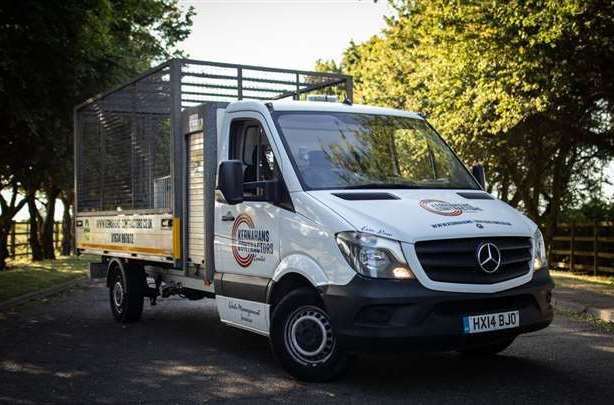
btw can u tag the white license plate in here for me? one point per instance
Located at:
(490, 322)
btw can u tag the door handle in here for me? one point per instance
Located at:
(228, 217)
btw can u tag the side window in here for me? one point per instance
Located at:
(250, 145)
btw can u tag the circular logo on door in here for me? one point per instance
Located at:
(249, 243)
(241, 249)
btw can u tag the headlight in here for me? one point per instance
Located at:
(373, 256)
(540, 260)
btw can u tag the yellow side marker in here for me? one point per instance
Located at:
(176, 237)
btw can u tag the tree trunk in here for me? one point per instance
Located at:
(505, 189)
(8, 209)
(4, 251)
(48, 224)
(40, 223)
(560, 185)
(67, 228)
(34, 240)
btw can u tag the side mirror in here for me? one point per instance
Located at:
(267, 190)
(230, 181)
(272, 191)
(478, 172)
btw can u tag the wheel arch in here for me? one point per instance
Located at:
(113, 264)
(121, 265)
(289, 282)
(293, 272)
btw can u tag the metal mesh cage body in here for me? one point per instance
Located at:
(123, 146)
(125, 139)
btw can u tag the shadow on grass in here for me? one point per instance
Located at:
(24, 276)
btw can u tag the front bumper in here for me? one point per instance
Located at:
(370, 314)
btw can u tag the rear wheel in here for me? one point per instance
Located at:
(126, 292)
(489, 349)
(303, 339)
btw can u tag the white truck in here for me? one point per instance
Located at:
(332, 228)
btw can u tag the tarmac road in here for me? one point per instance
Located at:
(69, 350)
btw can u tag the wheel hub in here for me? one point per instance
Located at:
(309, 336)
(118, 295)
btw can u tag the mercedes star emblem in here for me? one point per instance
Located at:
(489, 257)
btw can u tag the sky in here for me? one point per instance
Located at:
(289, 34)
(285, 34)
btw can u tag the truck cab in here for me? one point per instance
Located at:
(332, 228)
(372, 212)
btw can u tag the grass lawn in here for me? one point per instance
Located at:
(600, 284)
(602, 326)
(24, 276)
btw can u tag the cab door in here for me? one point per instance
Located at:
(247, 234)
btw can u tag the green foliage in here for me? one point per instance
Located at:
(54, 55)
(329, 66)
(525, 86)
(592, 210)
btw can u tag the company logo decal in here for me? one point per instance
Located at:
(249, 243)
(447, 209)
(489, 257)
(478, 223)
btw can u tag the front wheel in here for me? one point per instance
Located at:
(303, 339)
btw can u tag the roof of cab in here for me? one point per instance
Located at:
(320, 106)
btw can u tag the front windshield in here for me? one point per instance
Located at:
(348, 150)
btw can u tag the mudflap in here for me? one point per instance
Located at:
(98, 271)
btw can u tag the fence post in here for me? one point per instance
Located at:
(595, 248)
(12, 243)
(28, 238)
(572, 247)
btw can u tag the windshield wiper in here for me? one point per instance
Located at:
(382, 186)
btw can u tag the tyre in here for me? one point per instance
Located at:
(303, 340)
(489, 349)
(126, 293)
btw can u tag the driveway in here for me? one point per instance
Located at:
(69, 350)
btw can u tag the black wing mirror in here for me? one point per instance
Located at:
(230, 181)
(267, 190)
(478, 172)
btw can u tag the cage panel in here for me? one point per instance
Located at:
(123, 138)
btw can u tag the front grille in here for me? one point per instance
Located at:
(455, 260)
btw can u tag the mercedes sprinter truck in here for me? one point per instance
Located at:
(329, 227)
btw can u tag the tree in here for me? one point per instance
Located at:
(13, 167)
(524, 86)
(53, 55)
